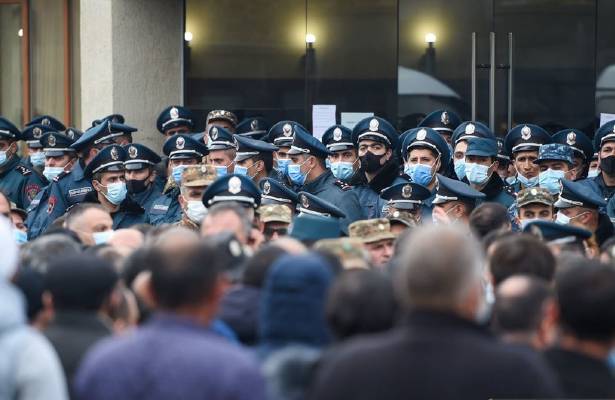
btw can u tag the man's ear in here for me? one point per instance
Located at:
(572, 174)
(388, 154)
(96, 185)
(182, 201)
(260, 165)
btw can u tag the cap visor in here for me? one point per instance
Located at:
(563, 204)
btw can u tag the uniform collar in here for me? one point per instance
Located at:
(317, 183)
(10, 164)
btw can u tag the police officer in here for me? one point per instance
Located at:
(594, 166)
(454, 201)
(222, 148)
(49, 122)
(221, 119)
(254, 128)
(465, 131)
(175, 120)
(377, 239)
(582, 148)
(234, 188)
(481, 165)
(310, 204)
(534, 204)
(115, 118)
(254, 158)
(308, 172)
(281, 135)
(182, 151)
(344, 160)
(141, 183)
(442, 121)
(17, 181)
(522, 143)
(106, 171)
(195, 179)
(604, 143)
(118, 133)
(275, 192)
(505, 169)
(560, 237)
(555, 164)
(406, 198)
(35, 157)
(376, 141)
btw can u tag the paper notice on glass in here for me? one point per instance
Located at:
(323, 117)
(604, 118)
(350, 119)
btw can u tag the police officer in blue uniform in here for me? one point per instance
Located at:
(281, 135)
(563, 237)
(107, 174)
(604, 143)
(35, 157)
(582, 147)
(522, 144)
(175, 120)
(117, 132)
(466, 130)
(344, 160)
(442, 121)
(275, 192)
(181, 150)
(308, 172)
(115, 118)
(233, 188)
(407, 197)
(254, 158)
(481, 167)
(17, 181)
(49, 122)
(454, 201)
(254, 128)
(222, 148)
(376, 141)
(312, 205)
(143, 187)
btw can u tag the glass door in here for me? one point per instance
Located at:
(13, 39)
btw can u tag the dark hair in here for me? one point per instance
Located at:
(586, 295)
(32, 284)
(78, 210)
(521, 311)
(521, 254)
(267, 159)
(78, 282)
(257, 267)
(488, 217)
(186, 277)
(360, 301)
(495, 236)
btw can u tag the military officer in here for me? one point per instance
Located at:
(604, 143)
(254, 128)
(175, 120)
(182, 151)
(308, 172)
(481, 165)
(274, 220)
(555, 164)
(20, 183)
(465, 131)
(222, 148)
(281, 135)
(235, 188)
(376, 142)
(534, 204)
(582, 148)
(107, 174)
(254, 158)
(275, 192)
(406, 198)
(221, 119)
(454, 201)
(195, 179)
(377, 238)
(344, 160)
(442, 121)
(141, 183)
(35, 157)
(522, 144)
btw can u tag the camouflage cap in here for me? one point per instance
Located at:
(555, 152)
(349, 251)
(402, 216)
(274, 213)
(535, 195)
(371, 230)
(198, 175)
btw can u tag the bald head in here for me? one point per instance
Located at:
(130, 239)
(175, 238)
(290, 245)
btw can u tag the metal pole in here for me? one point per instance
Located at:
(510, 80)
(473, 76)
(492, 81)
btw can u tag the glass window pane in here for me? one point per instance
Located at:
(11, 78)
(605, 59)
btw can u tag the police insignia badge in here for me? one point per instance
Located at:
(114, 154)
(51, 141)
(287, 130)
(213, 133)
(234, 185)
(180, 142)
(571, 138)
(534, 192)
(254, 125)
(421, 135)
(70, 134)
(337, 134)
(37, 132)
(46, 122)
(406, 191)
(174, 113)
(132, 152)
(305, 202)
(526, 132)
(374, 125)
(470, 129)
(266, 187)
(444, 118)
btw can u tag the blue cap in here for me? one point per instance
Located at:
(139, 157)
(310, 204)
(232, 187)
(8, 130)
(482, 147)
(174, 116)
(314, 227)
(552, 232)
(220, 139)
(606, 133)
(338, 138)
(426, 138)
(502, 155)
(453, 190)
(274, 192)
(56, 144)
(32, 134)
(577, 140)
(48, 121)
(281, 134)
(443, 121)
(111, 158)
(73, 133)
(578, 194)
(184, 146)
(254, 127)
(376, 129)
(304, 143)
(470, 129)
(526, 137)
(554, 152)
(406, 196)
(247, 148)
(115, 118)
(102, 133)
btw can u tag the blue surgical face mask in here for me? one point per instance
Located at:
(562, 218)
(283, 164)
(419, 173)
(593, 173)
(550, 180)
(21, 237)
(342, 170)
(116, 192)
(511, 180)
(295, 175)
(527, 182)
(102, 237)
(177, 173)
(222, 170)
(2, 157)
(477, 174)
(240, 170)
(52, 172)
(38, 159)
(460, 168)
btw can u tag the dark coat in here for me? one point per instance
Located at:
(369, 192)
(239, 310)
(434, 356)
(496, 192)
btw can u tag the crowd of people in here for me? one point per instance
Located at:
(251, 261)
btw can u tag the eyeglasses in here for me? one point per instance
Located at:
(269, 232)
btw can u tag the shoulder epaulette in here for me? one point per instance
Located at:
(342, 185)
(22, 169)
(60, 176)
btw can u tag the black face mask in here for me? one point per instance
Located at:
(370, 162)
(607, 164)
(136, 186)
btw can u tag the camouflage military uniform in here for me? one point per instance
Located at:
(371, 230)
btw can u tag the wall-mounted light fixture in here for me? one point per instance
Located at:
(20, 32)
(188, 36)
(430, 38)
(310, 39)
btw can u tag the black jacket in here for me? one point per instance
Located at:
(434, 356)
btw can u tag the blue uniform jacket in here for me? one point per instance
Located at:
(369, 192)
(20, 183)
(165, 209)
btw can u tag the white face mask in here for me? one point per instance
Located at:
(102, 237)
(527, 221)
(196, 211)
